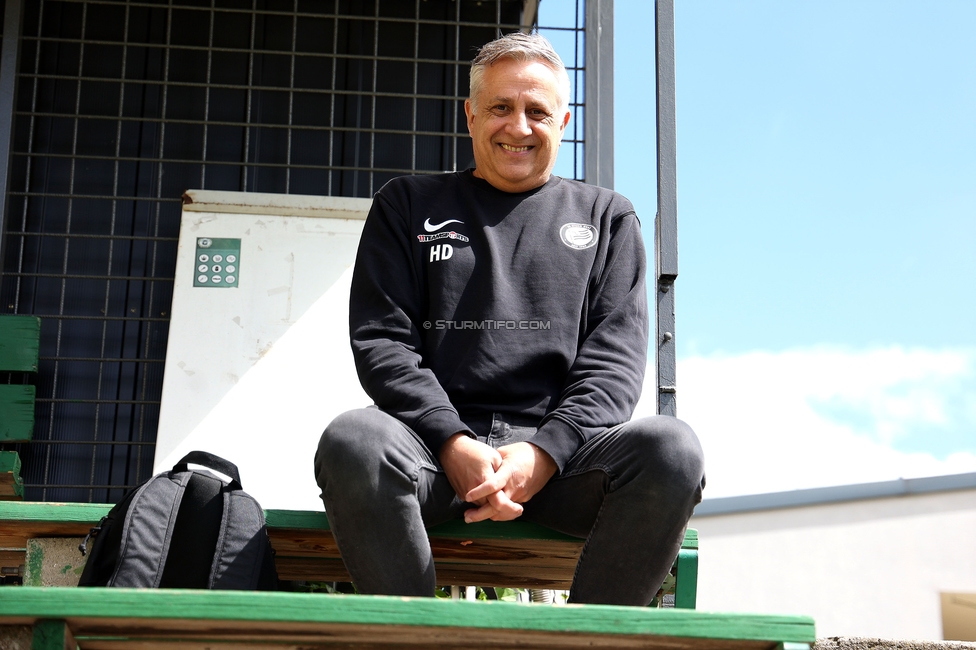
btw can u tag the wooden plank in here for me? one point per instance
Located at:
(20, 338)
(252, 637)
(313, 555)
(521, 530)
(443, 641)
(17, 412)
(303, 543)
(183, 613)
(310, 520)
(505, 576)
(306, 519)
(11, 484)
(324, 569)
(508, 551)
(493, 553)
(498, 530)
(23, 520)
(539, 563)
(10, 557)
(333, 570)
(686, 588)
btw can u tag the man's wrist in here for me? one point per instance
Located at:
(450, 444)
(544, 460)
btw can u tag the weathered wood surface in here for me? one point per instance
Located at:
(313, 555)
(24, 520)
(127, 618)
(10, 559)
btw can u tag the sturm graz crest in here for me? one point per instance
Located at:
(578, 235)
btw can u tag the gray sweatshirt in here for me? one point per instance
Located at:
(468, 301)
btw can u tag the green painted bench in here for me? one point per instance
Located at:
(105, 619)
(510, 554)
(20, 338)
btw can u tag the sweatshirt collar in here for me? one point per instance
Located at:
(468, 175)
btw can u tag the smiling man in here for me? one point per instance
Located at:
(517, 114)
(498, 319)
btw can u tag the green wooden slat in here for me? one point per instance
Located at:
(11, 484)
(296, 519)
(20, 338)
(9, 462)
(17, 412)
(201, 605)
(51, 635)
(87, 513)
(478, 530)
(498, 530)
(686, 587)
(302, 519)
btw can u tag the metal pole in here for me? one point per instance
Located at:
(666, 222)
(13, 12)
(598, 111)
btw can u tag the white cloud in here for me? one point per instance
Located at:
(828, 416)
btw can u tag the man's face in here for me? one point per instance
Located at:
(516, 124)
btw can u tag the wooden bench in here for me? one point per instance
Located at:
(514, 553)
(104, 619)
(509, 554)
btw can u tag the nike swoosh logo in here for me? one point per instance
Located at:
(431, 227)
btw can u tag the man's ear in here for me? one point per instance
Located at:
(469, 112)
(565, 122)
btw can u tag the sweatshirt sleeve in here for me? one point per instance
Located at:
(606, 378)
(386, 306)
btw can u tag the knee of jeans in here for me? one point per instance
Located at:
(350, 442)
(675, 450)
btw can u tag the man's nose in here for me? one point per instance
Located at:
(518, 124)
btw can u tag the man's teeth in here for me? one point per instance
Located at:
(507, 147)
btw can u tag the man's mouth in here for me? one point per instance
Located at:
(508, 147)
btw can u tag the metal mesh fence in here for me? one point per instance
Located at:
(121, 106)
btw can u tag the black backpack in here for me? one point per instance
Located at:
(184, 528)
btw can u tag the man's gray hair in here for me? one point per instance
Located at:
(520, 47)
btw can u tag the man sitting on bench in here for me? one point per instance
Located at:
(499, 322)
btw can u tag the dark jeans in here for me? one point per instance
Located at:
(629, 493)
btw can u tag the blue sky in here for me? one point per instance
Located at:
(827, 231)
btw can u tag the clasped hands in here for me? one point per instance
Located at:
(498, 481)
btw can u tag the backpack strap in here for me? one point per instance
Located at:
(148, 530)
(213, 462)
(243, 547)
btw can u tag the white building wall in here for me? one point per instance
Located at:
(869, 568)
